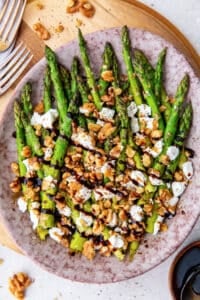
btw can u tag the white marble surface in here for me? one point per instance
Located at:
(150, 286)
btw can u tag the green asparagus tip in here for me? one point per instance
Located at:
(162, 54)
(17, 109)
(27, 89)
(49, 53)
(80, 37)
(125, 35)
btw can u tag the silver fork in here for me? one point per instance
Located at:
(13, 66)
(10, 18)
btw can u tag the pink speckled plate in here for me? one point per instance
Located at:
(154, 249)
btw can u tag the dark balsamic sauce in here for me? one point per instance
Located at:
(188, 261)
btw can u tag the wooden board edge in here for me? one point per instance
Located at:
(195, 60)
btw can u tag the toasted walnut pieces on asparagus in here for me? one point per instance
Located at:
(102, 160)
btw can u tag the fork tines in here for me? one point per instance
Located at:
(10, 18)
(12, 67)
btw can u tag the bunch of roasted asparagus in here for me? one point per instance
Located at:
(102, 161)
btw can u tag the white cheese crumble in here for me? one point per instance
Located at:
(65, 211)
(100, 122)
(157, 224)
(48, 153)
(49, 182)
(135, 125)
(28, 166)
(132, 109)
(107, 114)
(173, 201)
(82, 138)
(187, 168)
(136, 213)
(172, 152)
(113, 221)
(101, 193)
(116, 241)
(178, 188)
(156, 150)
(144, 110)
(139, 177)
(155, 181)
(34, 219)
(84, 193)
(129, 185)
(84, 220)
(46, 120)
(22, 204)
(84, 110)
(56, 234)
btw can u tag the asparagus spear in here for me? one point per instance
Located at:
(47, 90)
(107, 65)
(149, 70)
(74, 75)
(126, 50)
(20, 138)
(83, 90)
(57, 83)
(158, 78)
(32, 138)
(148, 93)
(66, 80)
(121, 110)
(184, 126)
(90, 77)
(170, 134)
(172, 123)
(26, 99)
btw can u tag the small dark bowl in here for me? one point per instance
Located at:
(186, 259)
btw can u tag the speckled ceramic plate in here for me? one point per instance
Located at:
(154, 249)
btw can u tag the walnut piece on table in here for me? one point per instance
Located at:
(84, 7)
(18, 284)
(41, 31)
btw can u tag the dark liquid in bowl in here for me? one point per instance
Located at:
(189, 260)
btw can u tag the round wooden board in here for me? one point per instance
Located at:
(109, 13)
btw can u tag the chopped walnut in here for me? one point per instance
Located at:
(26, 152)
(107, 76)
(94, 127)
(106, 131)
(156, 134)
(130, 152)
(87, 9)
(39, 108)
(179, 176)
(97, 227)
(88, 250)
(72, 6)
(164, 159)
(15, 186)
(162, 108)
(41, 31)
(115, 151)
(163, 227)
(146, 160)
(15, 168)
(18, 284)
